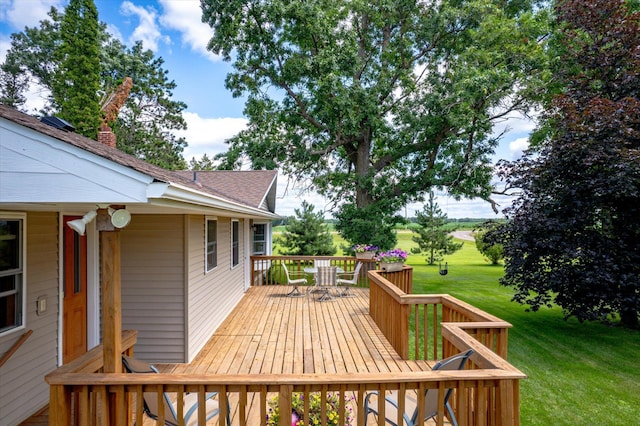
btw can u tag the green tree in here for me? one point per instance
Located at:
(146, 124)
(13, 83)
(205, 163)
(494, 251)
(375, 103)
(306, 234)
(573, 235)
(433, 236)
(77, 80)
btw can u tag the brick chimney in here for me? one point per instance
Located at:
(106, 136)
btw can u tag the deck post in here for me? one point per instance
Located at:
(284, 404)
(111, 301)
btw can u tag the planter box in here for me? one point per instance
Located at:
(365, 255)
(391, 266)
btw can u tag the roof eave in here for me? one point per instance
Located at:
(181, 194)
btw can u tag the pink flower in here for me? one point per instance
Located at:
(294, 418)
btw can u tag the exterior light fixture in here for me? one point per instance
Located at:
(80, 225)
(119, 218)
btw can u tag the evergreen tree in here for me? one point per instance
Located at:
(204, 163)
(77, 81)
(306, 234)
(13, 83)
(432, 236)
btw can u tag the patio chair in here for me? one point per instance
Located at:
(326, 281)
(294, 282)
(190, 408)
(348, 283)
(317, 263)
(455, 362)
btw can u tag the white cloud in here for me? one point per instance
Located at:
(186, 17)
(517, 147)
(207, 135)
(21, 13)
(115, 32)
(147, 30)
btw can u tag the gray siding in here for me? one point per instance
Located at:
(153, 277)
(23, 390)
(211, 295)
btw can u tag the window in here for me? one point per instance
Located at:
(11, 272)
(212, 244)
(235, 243)
(259, 239)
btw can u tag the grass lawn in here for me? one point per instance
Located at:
(578, 374)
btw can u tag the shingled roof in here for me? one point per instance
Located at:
(250, 188)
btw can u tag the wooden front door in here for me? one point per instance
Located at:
(74, 310)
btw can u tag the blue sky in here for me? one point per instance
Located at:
(173, 30)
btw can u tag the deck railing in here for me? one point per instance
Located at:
(437, 326)
(486, 392)
(69, 405)
(267, 270)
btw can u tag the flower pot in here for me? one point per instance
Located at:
(391, 266)
(365, 255)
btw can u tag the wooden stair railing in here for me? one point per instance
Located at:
(15, 347)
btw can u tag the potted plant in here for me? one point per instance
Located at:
(315, 408)
(365, 251)
(392, 260)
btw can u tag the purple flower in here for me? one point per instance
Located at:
(394, 255)
(295, 418)
(361, 248)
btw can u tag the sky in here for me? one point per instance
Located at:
(173, 30)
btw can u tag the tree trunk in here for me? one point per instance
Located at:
(363, 160)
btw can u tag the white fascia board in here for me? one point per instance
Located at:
(181, 194)
(266, 194)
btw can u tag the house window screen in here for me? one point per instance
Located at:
(235, 243)
(212, 244)
(11, 274)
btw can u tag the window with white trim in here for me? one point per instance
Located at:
(12, 282)
(212, 244)
(235, 243)
(259, 238)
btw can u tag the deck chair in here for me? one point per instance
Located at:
(347, 283)
(190, 410)
(294, 282)
(326, 281)
(317, 263)
(455, 362)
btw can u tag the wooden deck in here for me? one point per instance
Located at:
(272, 346)
(269, 333)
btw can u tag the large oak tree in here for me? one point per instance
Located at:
(573, 236)
(375, 103)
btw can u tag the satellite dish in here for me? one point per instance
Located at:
(120, 218)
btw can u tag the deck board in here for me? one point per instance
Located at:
(269, 333)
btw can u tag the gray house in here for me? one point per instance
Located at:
(185, 243)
